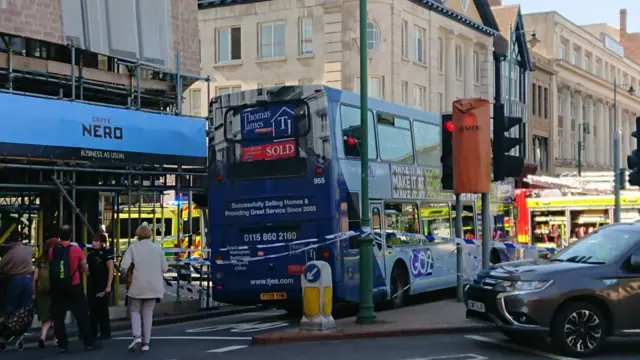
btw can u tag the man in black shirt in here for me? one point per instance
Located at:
(100, 260)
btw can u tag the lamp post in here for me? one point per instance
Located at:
(616, 149)
(366, 313)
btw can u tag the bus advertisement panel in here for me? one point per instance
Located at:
(285, 190)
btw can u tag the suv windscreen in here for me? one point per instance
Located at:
(600, 247)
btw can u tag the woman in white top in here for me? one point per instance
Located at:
(147, 284)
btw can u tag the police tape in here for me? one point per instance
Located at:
(329, 239)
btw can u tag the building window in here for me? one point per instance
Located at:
(575, 57)
(404, 90)
(228, 44)
(533, 99)
(196, 102)
(306, 35)
(458, 62)
(573, 108)
(272, 40)
(562, 52)
(394, 137)
(405, 38)
(541, 152)
(546, 103)
(375, 86)
(418, 44)
(418, 96)
(560, 104)
(559, 145)
(373, 36)
(574, 146)
(350, 118)
(476, 68)
(223, 90)
(598, 70)
(440, 54)
(539, 101)
(306, 81)
(440, 101)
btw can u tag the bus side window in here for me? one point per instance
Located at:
(353, 210)
(375, 225)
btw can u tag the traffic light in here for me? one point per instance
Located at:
(505, 165)
(633, 160)
(446, 141)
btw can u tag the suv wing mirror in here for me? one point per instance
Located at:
(635, 260)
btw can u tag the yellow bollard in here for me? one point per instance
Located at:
(317, 297)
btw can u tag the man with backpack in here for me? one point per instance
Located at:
(67, 263)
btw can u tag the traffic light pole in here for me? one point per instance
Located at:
(616, 155)
(486, 230)
(366, 314)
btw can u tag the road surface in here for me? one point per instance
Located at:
(230, 337)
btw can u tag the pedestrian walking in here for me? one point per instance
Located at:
(144, 263)
(16, 267)
(67, 263)
(42, 290)
(100, 260)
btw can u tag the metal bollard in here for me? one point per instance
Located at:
(317, 297)
(459, 269)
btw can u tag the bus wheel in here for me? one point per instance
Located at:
(399, 286)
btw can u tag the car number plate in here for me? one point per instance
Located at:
(475, 306)
(273, 296)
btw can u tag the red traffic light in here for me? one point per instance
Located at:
(351, 141)
(449, 126)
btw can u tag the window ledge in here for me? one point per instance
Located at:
(228, 63)
(269, 60)
(419, 63)
(306, 56)
(404, 58)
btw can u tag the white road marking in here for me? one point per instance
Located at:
(519, 348)
(190, 338)
(452, 357)
(228, 348)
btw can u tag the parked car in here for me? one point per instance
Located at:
(577, 297)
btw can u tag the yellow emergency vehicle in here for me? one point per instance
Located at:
(169, 221)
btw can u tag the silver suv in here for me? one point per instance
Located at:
(578, 297)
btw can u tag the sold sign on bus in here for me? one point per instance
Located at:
(268, 123)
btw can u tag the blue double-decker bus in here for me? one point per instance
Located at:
(285, 190)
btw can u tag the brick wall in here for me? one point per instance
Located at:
(42, 19)
(39, 19)
(631, 43)
(186, 34)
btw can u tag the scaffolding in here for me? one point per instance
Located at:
(37, 196)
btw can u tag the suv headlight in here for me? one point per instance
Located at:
(521, 286)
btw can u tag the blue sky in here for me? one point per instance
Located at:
(584, 12)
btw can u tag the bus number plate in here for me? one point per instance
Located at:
(273, 296)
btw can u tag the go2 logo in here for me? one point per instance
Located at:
(421, 262)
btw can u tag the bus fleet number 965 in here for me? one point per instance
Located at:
(279, 236)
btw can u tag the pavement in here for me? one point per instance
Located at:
(445, 316)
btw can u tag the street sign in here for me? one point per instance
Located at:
(312, 273)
